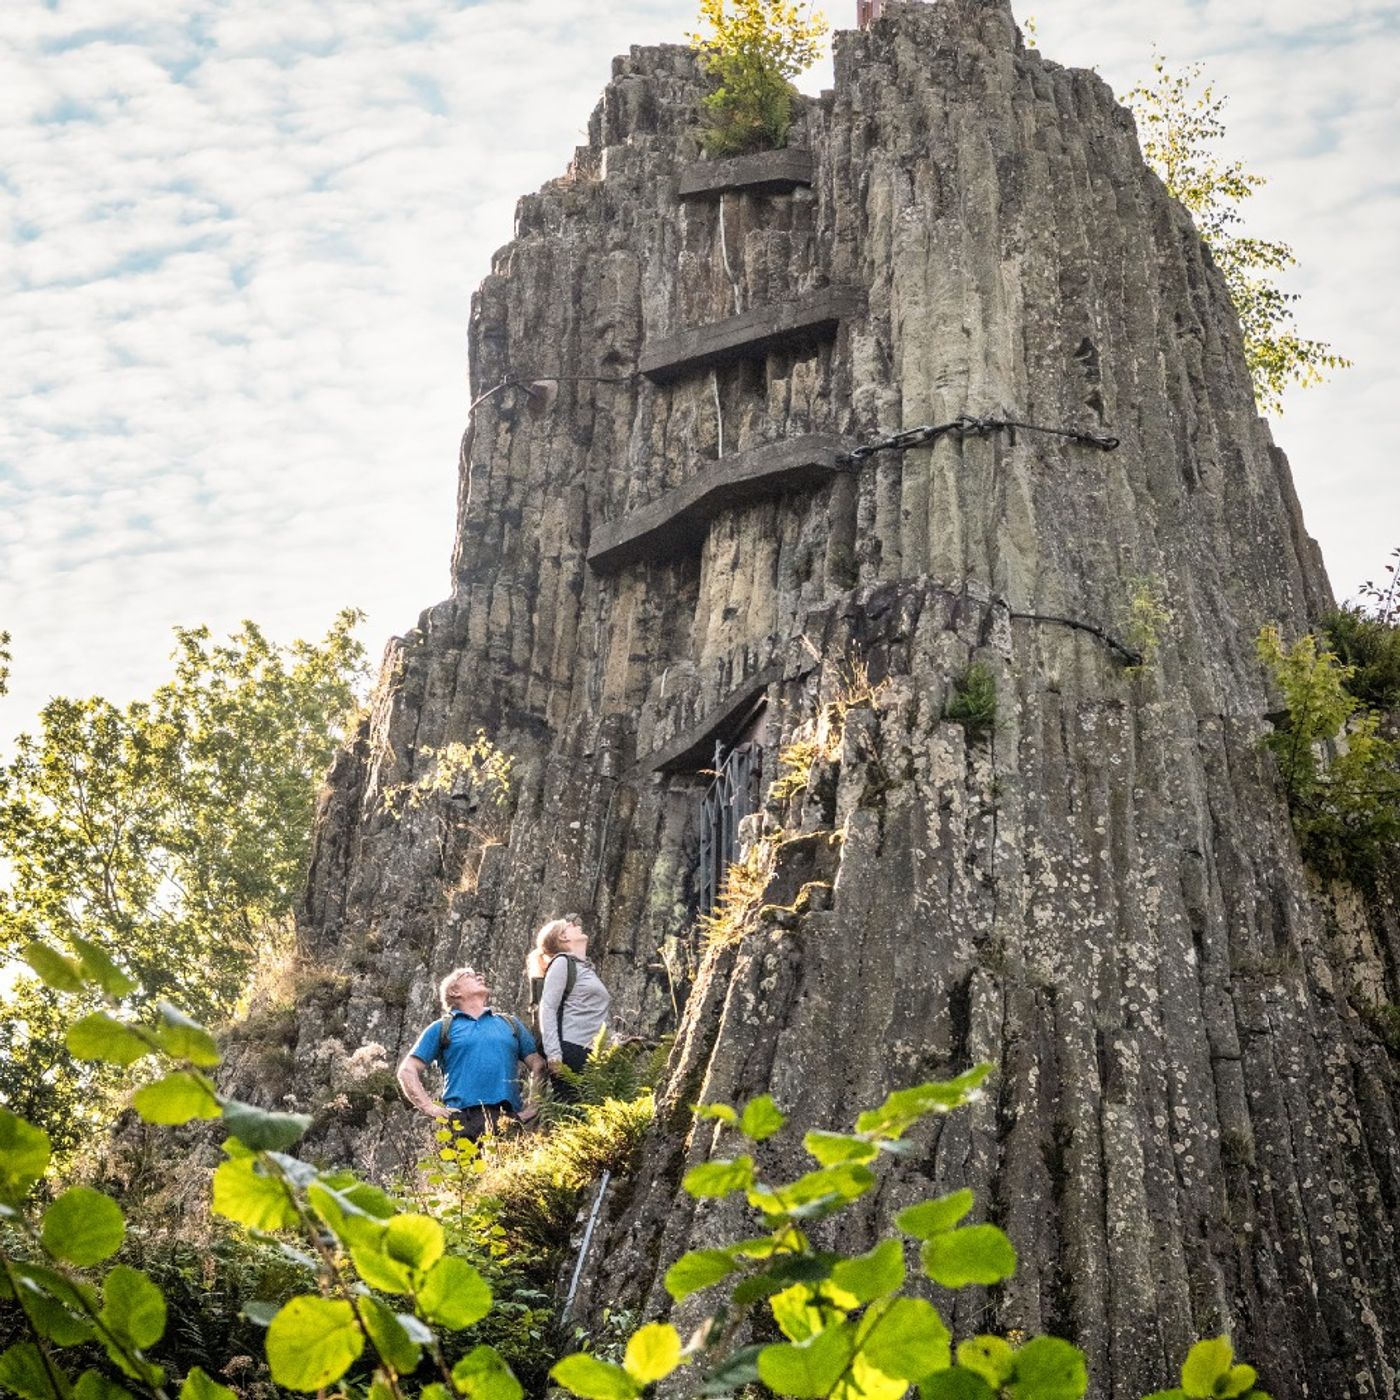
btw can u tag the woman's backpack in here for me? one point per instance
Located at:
(537, 994)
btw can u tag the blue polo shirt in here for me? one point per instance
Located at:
(481, 1061)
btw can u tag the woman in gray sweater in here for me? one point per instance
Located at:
(573, 1002)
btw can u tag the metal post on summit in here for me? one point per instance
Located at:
(868, 11)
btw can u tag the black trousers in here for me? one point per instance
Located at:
(482, 1118)
(575, 1057)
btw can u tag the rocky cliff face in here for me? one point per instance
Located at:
(1192, 1128)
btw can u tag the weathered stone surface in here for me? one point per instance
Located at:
(1193, 1126)
(750, 334)
(677, 521)
(763, 172)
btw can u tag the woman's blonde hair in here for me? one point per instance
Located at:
(547, 944)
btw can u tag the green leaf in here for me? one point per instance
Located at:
(381, 1389)
(54, 970)
(24, 1156)
(98, 1036)
(701, 1268)
(378, 1270)
(261, 1129)
(930, 1218)
(482, 1374)
(54, 1321)
(799, 1315)
(740, 1370)
(1049, 1369)
(816, 1194)
(975, 1254)
(395, 1347)
(908, 1341)
(99, 968)
(184, 1039)
(258, 1313)
(415, 1240)
(810, 1369)
(93, 1385)
(593, 1379)
(312, 1342)
(198, 1386)
(1238, 1381)
(722, 1111)
(868, 1276)
(990, 1357)
(905, 1107)
(761, 1118)
(955, 1384)
(132, 1307)
(83, 1227)
(1206, 1363)
(831, 1149)
(180, 1096)
(653, 1352)
(244, 1194)
(454, 1295)
(22, 1370)
(435, 1391)
(720, 1177)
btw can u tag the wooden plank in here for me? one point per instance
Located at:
(764, 172)
(677, 521)
(816, 316)
(694, 748)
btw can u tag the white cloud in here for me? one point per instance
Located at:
(238, 244)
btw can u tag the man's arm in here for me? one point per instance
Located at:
(411, 1082)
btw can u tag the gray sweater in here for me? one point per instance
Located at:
(585, 1010)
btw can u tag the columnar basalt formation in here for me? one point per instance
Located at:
(1192, 1128)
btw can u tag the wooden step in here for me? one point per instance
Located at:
(677, 521)
(815, 316)
(764, 172)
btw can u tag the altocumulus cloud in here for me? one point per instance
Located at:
(240, 238)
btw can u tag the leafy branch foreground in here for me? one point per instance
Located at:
(389, 1289)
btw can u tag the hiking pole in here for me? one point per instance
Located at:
(583, 1248)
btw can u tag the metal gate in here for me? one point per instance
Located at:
(732, 796)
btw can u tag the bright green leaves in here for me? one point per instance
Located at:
(720, 1177)
(184, 1039)
(132, 1319)
(905, 1107)
(808, 1369)
(653, 1352)
(55, 970)
(761, 1118)
(24, 1157)
(1047, 1368)
(453, 1294)
(701, 1268)
(413, 1240)
(974, 1254)
(198, 1386)
(831, 1149)
(101, 1037)
(83, 1227)
(312, 1342)
(930, 1218)
(23, 1371)
(262, 1129)
(992, 1358)
(857, 1281)
(593, 1379)
(398, 1351)
(177, 1098)
(955, 1384)
(482, 1374)
(908, 1341)
(247, 1194)
(1209, 1371)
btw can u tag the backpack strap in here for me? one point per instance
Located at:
(444, 1035)
(570, 977)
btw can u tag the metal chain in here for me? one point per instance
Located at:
(965, 426)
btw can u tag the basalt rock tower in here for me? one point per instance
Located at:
(668, 564)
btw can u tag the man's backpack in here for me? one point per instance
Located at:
(537, 994)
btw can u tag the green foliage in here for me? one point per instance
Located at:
(751, 49)
(170, 836)
(1369, 646)
(1180, 128)
(1341, 773)
(1148, 618)
(973, 703)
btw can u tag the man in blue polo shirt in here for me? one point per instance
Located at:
(480, 1051)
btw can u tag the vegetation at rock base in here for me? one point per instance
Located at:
(171, 833)
(1148, 618)
(395, 1300)
(751, 49)
(1180, 128)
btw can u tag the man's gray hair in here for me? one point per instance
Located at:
(445, 985)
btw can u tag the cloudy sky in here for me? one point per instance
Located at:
(240, 238)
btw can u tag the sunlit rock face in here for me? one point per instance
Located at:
(1191, 1128)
